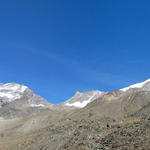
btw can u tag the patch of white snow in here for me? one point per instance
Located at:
(82, 104)
(138, 85)
(11, 91)
(37, 105)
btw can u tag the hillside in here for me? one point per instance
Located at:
(109, 120)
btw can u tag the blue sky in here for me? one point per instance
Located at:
(58, 47)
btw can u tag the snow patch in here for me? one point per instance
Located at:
(79, 104)
(138, 85)
(37, 105)
(11, 91)
(13, 87)
(84, 103)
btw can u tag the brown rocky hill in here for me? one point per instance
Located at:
(111, 120)
(116, 104)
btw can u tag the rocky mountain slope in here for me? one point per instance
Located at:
(91, 120)
(117, 104)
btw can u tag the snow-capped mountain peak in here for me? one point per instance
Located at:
(80, 100)
(138, 85)
(11, 91)
(17, 95)
(18, 100)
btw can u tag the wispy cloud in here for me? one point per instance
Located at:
(82, 71)
(85, 72)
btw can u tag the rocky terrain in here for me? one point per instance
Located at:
(93, 120)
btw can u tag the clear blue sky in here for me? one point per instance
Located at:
(58, 47)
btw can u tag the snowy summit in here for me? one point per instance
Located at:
(138, 85)
(11, 91)
(80, 100)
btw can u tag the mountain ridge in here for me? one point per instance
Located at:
(91, 127)
(12, 91)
